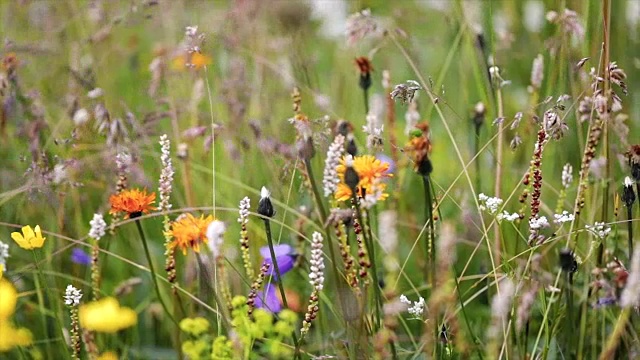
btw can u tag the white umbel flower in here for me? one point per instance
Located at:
(538, 223)
(490, 204)
(564, 217)
(72, 296)
(415, 308)
(599, 229)
(98, 227)
(316, 273)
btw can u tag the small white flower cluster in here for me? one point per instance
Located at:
(599, 229)
(166, 175)
(215, 235)
(316, 275)
(98, 227)
(72, 296)
(416, 308)
(4, 254)
(330, 178)
(490, 204)
(374, 134)
(563, 218)
(508, 217)
(567, 175)
(538, 223)
(245, 205)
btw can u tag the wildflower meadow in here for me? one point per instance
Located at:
(319, 179)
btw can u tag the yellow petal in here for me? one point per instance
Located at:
(9, 297)
(28, 232)
(20, 240)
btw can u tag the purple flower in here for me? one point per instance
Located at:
(79, 256)
(268, 299)
(285, 257)
(386, 159)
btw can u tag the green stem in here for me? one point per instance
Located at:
(630, 229)
(368, 240)
(464, 314)
(366, 101)
(476, 151)
(220, 308)
(327, 234)
(153, 271)
(430, 244)
(40, 279)
(274, 260)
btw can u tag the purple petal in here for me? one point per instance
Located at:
(279, 250)
(79, 256)
(285, 264)
(386, 159)
(268, 299)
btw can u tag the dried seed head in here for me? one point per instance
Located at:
(628, 194)
(265, 208)
(568, 262)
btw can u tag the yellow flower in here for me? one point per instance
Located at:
(8, 299)
(29, 239)
(371, 172)
(133, 202)
(106, 315)
(10, 336)
(189, 231)
(109, 355)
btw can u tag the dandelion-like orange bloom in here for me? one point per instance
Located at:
(371, 171)
(133, 202)
(189, 231)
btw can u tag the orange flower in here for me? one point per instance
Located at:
(371, 171)
(133, 202)
(195, 60)
(189, 231)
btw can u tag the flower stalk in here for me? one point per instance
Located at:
(153, 271)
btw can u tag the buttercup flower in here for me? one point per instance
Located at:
(30, 238)
(285, 256)
(9, 297)
(133, 202)
(10, 336)
(106, 315)
(371, 172)
(189, 231)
